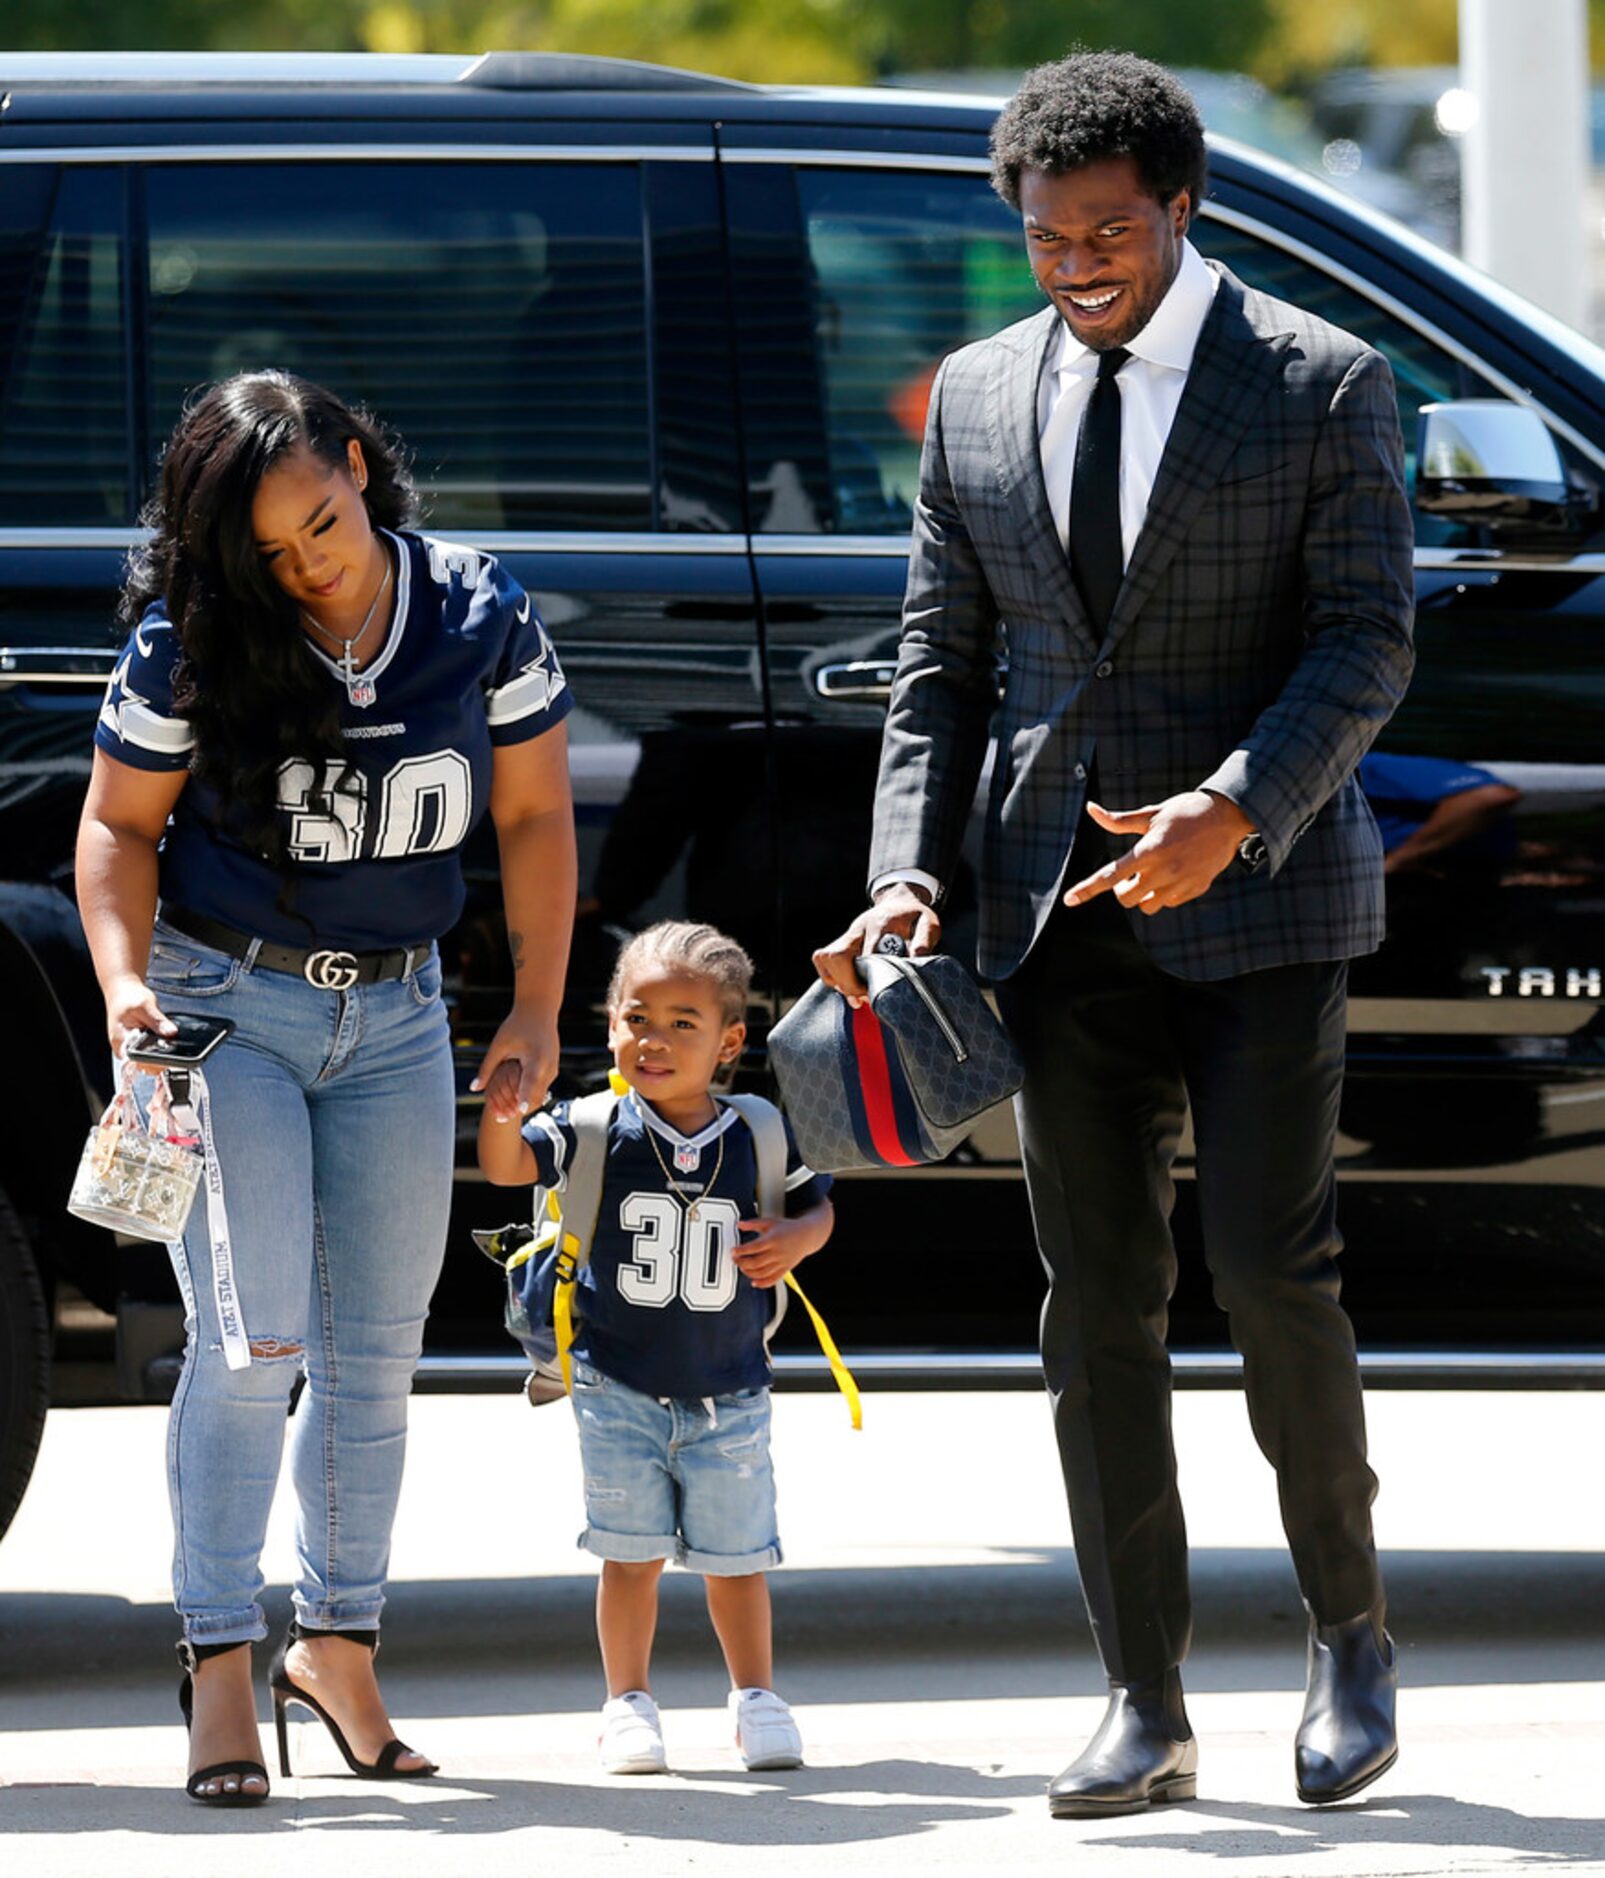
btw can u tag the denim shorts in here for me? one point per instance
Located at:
(687, 1480)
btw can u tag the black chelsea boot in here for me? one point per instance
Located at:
(1348, 1735)
(1143, 1755)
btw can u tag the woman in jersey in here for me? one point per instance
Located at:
(315, 707)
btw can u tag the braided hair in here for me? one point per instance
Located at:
(698, 950)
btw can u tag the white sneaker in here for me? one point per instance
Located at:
(765, 1731)
(631, 1741)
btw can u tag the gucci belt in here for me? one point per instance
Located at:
(325, 968)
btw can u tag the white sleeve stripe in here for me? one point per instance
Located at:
(529, 692)
(554, 1134)
(799, 1177)
(151, 731)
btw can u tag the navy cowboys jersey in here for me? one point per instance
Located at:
(467, 666)
(663, 1307)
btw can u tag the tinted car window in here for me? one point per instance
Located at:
(494, 313)
(906, 268)
(64, 440)
(1423, 372)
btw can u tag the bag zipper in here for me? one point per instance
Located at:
(910, 973)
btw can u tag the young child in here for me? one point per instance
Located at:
(670, 1367)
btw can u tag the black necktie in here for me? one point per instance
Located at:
(1097, 556)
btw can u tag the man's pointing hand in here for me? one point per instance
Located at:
(1183, 844)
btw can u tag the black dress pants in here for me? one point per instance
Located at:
(1114, 1051)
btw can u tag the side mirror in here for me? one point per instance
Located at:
(1485, 461)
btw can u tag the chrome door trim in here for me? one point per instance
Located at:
(496, 541)
(812, 158)
(858, 546)
(30, 665)
(73, 537)
(1451, 560)
(845, 547)
(452, 152)
(1491, 560)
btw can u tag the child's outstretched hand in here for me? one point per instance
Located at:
(501, 1092)
(780, 1244)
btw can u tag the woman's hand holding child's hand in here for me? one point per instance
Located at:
(528, 1043)
(501, 1094)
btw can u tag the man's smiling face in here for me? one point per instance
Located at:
(1102, 248)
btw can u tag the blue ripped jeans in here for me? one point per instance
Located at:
(333, 1116)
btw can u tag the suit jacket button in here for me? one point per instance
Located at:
(1080, 772)
(1104, 669)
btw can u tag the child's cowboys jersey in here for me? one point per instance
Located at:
(663, 1306)
(467, 666)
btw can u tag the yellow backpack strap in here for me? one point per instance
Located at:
(576, 1213)
(833, 1356)
(769, 1146)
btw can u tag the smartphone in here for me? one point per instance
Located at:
(194, 1040)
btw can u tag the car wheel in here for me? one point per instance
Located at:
(24, 1362)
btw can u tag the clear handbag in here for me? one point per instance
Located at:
(139, 1173)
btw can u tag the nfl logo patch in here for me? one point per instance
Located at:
(687, 1159)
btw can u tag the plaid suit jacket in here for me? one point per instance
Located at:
(1260, 641)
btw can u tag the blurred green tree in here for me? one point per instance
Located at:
(821, 41)
(818, 41)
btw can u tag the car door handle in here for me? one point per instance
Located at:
(864, 678)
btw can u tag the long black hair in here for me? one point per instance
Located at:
(245, 680)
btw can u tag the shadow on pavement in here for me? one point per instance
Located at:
(955, 1632)
(809, 1807)
(1432, 1821)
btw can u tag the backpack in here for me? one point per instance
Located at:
(543, 1261)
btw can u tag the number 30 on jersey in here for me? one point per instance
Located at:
(425, 805)
(678, 1254)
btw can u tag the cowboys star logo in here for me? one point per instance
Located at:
(541, 677)
(118, 694)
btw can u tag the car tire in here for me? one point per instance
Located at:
(24, 1362)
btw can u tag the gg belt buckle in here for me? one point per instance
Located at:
(330, 970)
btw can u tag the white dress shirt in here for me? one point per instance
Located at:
(1151, 383)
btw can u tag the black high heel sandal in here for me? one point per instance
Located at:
(285, 1691)
(192, 1656)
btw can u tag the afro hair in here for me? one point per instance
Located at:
(1096, 105)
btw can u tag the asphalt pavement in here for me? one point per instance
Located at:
(929, 1634)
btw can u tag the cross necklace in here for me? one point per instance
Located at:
(360, 689)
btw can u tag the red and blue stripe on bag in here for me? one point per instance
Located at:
(886, 1124)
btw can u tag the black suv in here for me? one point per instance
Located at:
(664, 343)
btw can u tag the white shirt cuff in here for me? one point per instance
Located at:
(915, 876)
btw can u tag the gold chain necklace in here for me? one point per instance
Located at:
(673, 1185)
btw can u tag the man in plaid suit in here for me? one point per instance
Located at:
(1170, 514)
